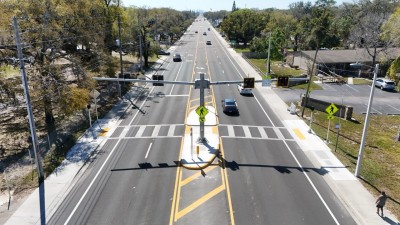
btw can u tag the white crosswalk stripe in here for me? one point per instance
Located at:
(228, 131)
(150, 131)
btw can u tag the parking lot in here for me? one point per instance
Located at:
(357, 96)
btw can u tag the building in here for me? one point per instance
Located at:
(338, 62)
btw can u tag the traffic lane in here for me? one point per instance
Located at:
(160, 109)
(254, 107)
(136, 188)
(319, 177)
(82, 183)
(268, 187)
(251, 112)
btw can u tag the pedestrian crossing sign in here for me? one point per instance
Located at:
(202, 111)
(331, 109)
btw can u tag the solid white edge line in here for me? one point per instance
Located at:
(91, 183)
(148, 150)
(176, 78)
(311, 183)
(134, 117)
(264, 111)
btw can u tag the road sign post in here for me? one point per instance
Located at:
(331, 110)
(191, 143)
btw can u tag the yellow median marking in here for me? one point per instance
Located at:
(199, 201)
(178, 172)
(196, 175)
(226, 183)
(299, 134)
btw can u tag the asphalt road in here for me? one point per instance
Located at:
(266, 178)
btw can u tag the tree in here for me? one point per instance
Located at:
(300, 11)
(391, 28)
(243, 25)
(367, 31)
(234, 7)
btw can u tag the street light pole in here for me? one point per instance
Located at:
(365, 129)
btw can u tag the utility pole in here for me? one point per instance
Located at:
(309, 83)
(31, 125)
(269, 53)
(120, 55)
(365, 129)
(158, 42)
(140, 43)
(203, 84)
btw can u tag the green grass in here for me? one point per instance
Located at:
(381, 155)
(276, 68)
(7, 71)
(358, 81)
(242, 49)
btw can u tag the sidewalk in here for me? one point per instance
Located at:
(354, 196)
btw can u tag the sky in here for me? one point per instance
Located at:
(215, 5)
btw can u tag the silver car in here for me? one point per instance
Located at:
(386, 84)
(244, 91)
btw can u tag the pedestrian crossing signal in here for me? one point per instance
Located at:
(283, 82)
(248, 82)
(159, 78)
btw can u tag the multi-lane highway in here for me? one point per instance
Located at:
(135, 177)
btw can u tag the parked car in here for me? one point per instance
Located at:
(208, 29)
(244, 91)
(229, 105)
(163, 52)
(196, 32)
(204, 33)
(208, 42)
(386, 84)
(177, 57)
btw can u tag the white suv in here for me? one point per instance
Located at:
(244, 91)
(383, 83)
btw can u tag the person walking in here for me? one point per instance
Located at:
(380, 202)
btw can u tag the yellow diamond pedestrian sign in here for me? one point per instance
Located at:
(331, 109)
(202, 111)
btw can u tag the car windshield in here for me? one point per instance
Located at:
(230, 103)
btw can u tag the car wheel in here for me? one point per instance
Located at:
(381, 87)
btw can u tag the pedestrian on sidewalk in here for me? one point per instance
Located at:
(380, 202)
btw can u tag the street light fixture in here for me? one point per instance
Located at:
(365, 129)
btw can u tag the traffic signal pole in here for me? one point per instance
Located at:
(202, 87)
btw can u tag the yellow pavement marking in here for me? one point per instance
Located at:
(226, 183)
(178, 171)
(178, 197)
(187, 129)
(177, 190)
(104, 131)
(196, 175)
(200, 201)
(214, 129)
(299, 134)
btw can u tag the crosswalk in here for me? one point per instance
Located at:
(254, 132)
(225, 131)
